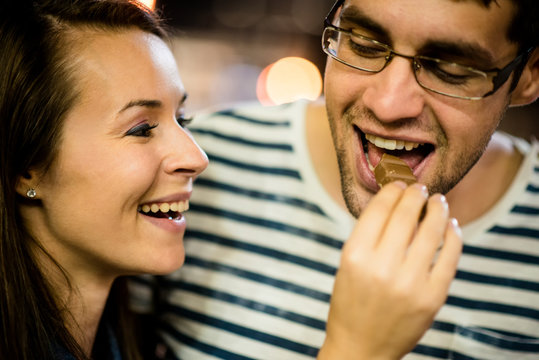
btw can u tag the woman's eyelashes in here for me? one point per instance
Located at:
(145, 129)
(184, 121)
(142, 130)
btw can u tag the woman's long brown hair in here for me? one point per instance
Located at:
(37, 88)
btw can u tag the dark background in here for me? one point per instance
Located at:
(223, 45)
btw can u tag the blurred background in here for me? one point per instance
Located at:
(269, 51)
(226, 48)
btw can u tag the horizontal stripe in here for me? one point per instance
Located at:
(229, 113)
(512, 341)
(242, 331)
(515, 231)
(494, 341)
(493, 307)
(255, 168)
(431, 351)
(526, 210)
(498, 281)
(532, 188)
(500, 342)
(262, 279)
(264, 251)
(243, 141)
(198, 345)
(501, 255)
(458, 356)
(270, 224)
(255, 194)
(247, 303)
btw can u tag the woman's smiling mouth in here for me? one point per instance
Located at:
(165, 210)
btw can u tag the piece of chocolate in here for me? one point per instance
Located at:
(391, 168)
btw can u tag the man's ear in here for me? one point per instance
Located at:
(26, 182)
(527, 90)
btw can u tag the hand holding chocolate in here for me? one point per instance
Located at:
(391, 168)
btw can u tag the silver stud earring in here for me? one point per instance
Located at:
(31, 193)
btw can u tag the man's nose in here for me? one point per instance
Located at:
(394, 94)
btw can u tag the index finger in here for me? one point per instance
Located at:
(373, 219)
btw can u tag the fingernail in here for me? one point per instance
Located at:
(443, 199)
(455, 225)
(422, 188)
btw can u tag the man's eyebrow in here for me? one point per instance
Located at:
(143, 103)
(353, 15)
(471, 53)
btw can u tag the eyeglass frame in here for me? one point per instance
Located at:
(500, 77)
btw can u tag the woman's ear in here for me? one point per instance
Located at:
(527, 90)
(27, 184)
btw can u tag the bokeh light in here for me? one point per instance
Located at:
(148, 3)
(287, 80)
(261, 87)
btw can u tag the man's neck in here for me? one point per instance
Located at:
(322, 151)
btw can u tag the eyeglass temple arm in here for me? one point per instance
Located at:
(516, 65)
(331, 13)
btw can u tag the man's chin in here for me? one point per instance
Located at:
(355, 200)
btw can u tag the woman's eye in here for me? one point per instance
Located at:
(142, 130)
(184, 121)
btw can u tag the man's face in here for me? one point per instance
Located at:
(371, 112)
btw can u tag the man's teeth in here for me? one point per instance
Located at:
(179, 206)
(391, 144)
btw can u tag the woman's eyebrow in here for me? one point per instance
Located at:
(143, 103)
(153, 104)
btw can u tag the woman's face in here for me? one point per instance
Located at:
(122, 151)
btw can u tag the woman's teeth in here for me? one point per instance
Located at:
(391, 144)
(179, 206)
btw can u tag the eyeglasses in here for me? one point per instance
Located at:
(440, 76)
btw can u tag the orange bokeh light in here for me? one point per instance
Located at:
(148, 3)
(287, 80)
(261, 87)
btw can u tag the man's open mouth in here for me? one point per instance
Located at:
(410, 152)
(171, 211)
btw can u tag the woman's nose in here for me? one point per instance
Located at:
(185, 154)
(394, 94)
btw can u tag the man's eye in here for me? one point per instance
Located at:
(142, 130)
(450, 73)
(366, 48)
(184, 121)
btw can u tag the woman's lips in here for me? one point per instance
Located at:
(166, 215)
(165, 209)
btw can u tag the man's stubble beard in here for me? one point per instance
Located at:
(451, 173)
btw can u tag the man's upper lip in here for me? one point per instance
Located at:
(394, 137)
